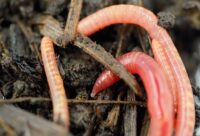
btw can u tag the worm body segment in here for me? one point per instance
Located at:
(179, 83)
(57, 91)
(156, 87)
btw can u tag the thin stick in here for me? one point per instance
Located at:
(73, 17)
(28, 33)
(97, 52)
(71, 101)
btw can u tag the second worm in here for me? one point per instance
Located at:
(57, 91)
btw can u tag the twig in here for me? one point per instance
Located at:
(145, 125)
(123, 32)
(29, 36)
(24, 99)
(107, 102)
(130, 117)
(144, 40)
(97, 52)
(72, 19)
(71, 101)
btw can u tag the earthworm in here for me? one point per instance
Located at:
(57, 91)
(157, 89)
(176, 73)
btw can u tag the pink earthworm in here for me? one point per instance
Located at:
(57, 91)
(157, 89)
(175, 71)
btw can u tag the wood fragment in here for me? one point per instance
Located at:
(144, 40)
(145, 125)
(91, 127)
(130, 117)
(50, 27)
(19, 120)
(123, 32)
(73, 19)
(113, 114)
(28, 33)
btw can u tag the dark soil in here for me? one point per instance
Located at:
(22, 73)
